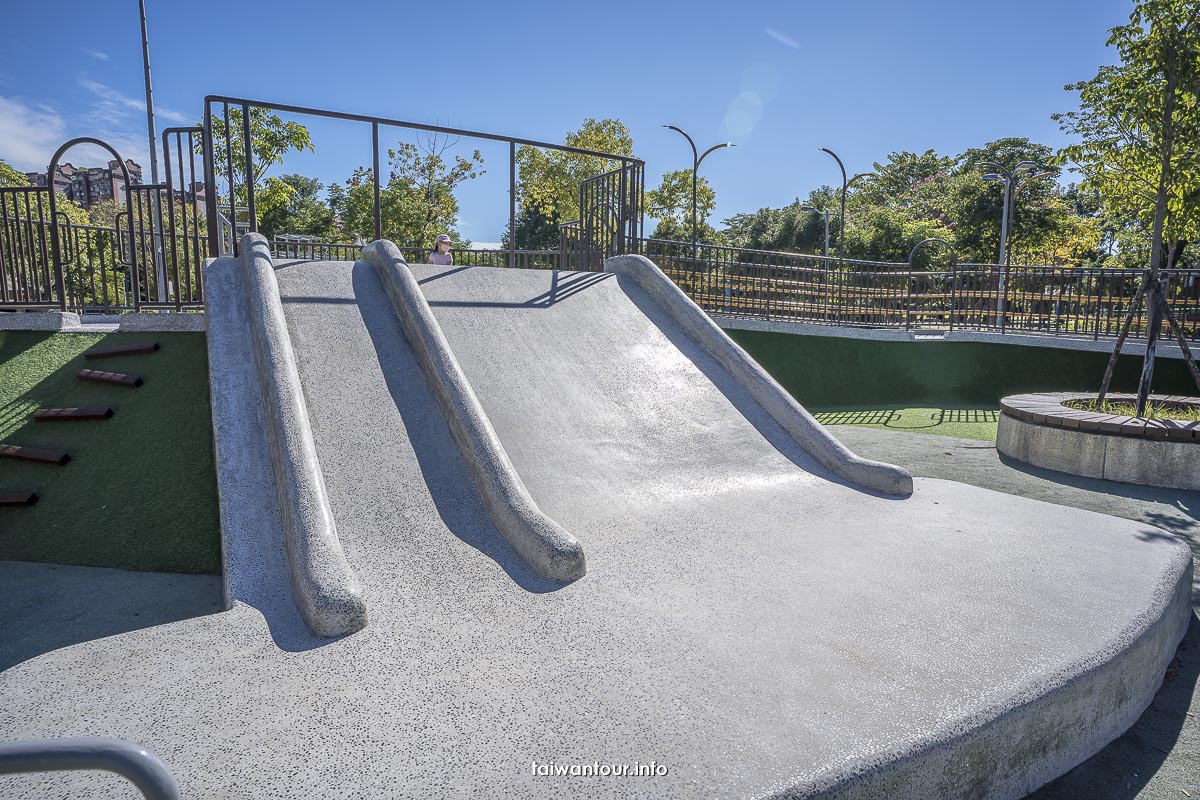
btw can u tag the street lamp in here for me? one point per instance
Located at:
(1008, 178)
(845, 185)
(696, 161)
(825, 216)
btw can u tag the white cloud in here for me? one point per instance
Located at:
(97, 54)
(479, 245)
(29, 134)
(782, 38)
(114, 105)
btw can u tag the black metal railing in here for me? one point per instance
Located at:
(229, 164)
(1077, 301)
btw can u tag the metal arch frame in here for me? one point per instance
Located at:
(56, 247)
(953, 253)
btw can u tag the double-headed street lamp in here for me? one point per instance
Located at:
(1012, 180)
(696, 161)
(825, 216)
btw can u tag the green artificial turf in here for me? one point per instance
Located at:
(140, 490)
(973, 422)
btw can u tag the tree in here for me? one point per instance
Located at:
(549, 179)
(271, 138)
(10, 177)
(537, 229)
(1139, 129)
(416, 203)
(671, 205)
(1139, 122)
(302, 213)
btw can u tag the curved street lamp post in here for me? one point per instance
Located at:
(696, 161)
(1012, 181)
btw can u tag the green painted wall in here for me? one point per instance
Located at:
(826, 371)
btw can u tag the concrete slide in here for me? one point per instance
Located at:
(582, 534)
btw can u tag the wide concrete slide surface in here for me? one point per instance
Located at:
(748, 621)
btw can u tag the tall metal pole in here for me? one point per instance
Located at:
(697, 160)
(825, 251)
(155, 238)
(842, 219)
(149, 95)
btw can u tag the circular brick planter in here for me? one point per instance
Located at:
(1039, 430)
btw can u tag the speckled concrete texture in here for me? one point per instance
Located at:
(162, 321)
(749, 620)
(37, 320)
(549, 549)
(790, 415)
(326, 588)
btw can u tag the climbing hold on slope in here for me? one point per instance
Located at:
(115, 378)
(31, 454)
(121, 350)
(72, 414)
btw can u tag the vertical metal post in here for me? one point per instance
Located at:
(512, 204)
(377, 179)
(210, 187)
(249, 167)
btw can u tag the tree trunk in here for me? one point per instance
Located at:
(1154, 295)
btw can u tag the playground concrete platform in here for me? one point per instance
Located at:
(747, 621)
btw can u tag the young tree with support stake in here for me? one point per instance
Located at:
(1140, 123)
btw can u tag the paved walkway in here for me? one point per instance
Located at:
(1159, 758)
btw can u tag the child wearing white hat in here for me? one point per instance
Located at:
(441, 251)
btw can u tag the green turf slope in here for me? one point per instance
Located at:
(140, 491)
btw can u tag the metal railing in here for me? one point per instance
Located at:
(136, 764)
(229, 159)
(1076, 301)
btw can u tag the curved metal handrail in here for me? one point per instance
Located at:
(137, 764)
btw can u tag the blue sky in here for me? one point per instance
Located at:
(781, 79)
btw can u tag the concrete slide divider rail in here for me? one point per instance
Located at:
(551, 550)
(791, 416)
(326, 589)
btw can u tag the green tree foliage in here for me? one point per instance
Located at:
(1138, 125)
(416, 203)
(917, 196)
(271, 138)
(537, 229)
(304, 212)
(549, 179)
(10, 177)
(671, 205)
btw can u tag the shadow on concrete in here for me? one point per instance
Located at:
(562, 286)
(788, 447)
(450, 484)
(1121, 770)
(46, 607)
(1178, 498)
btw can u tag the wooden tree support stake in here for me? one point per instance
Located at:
(115, 378)
(30, 454)
(17, 498)
(70, 414)
(121, 350)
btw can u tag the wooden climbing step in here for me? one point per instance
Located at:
(115, 378)
(18, 498)
(121, 350)
(71, 414)
(32, 454)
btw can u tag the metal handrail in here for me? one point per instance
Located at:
(420, 126)
(135, 763)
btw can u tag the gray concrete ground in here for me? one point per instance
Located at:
(44, 607)
(1159, 757)
(746, 621)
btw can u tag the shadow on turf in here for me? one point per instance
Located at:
(1123, 768)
